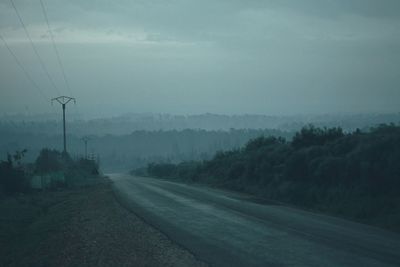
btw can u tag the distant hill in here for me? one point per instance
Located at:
(128, 123)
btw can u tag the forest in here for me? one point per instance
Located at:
(354, 175)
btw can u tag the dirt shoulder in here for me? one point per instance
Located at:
(81, 227)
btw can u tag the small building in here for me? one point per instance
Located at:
(43, 181)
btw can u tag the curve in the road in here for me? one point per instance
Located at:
(225, 229)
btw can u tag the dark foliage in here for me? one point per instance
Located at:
(50, 160)
(356, 174)
(12, 175)
(311, 136)
(89, 166)
(162, 169)
(76, 172)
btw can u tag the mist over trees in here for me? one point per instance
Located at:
(137, 149)
(356, 175)
(134, 140)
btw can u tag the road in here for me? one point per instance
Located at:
(231, 229)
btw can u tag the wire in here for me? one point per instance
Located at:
(34, 48)
(24, 70)
(58, 55)
(55, 47)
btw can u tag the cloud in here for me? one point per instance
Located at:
(269, 53)
(188, 21)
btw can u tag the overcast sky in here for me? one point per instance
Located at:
(219, 56)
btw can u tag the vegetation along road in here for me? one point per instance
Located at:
(230, 229)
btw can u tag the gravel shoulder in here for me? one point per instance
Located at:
(81, 227)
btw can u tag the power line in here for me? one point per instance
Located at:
(55, 47)
(34, 48)
(57, 52)
(24, 70)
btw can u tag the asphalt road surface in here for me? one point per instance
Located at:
(230, 229)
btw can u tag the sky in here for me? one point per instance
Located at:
(276, 57)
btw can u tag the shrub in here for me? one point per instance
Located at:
(12, 175)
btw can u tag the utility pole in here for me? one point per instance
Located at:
(85, 140)
(64, 100)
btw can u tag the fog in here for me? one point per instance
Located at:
(200, 132)
(193, 57)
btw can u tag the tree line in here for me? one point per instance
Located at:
(355, 175)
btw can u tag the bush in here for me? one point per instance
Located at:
(50, 161)
(311, 136)
(12, 176)
(162, 170)
(88, 166)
